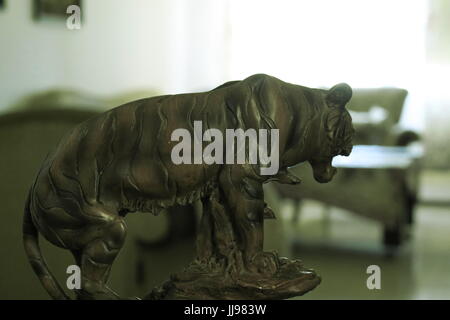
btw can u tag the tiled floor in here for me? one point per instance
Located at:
(340, 246)
(435, 187)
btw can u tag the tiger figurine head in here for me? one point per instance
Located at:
(335, 135)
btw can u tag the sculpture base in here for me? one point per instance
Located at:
(290, 280)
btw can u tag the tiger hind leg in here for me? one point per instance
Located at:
(96, 260)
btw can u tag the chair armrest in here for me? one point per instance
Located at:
(403, 137)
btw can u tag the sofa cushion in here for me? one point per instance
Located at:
(391, 99)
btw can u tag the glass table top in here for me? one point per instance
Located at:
(365, 156)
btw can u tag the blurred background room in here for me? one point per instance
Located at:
(389, 204)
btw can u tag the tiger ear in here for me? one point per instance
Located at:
(339, 95)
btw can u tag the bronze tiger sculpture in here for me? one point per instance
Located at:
(120, 162)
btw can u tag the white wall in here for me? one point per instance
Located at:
(324, 42)
(167, 45)
(30, 53)
(122, 46)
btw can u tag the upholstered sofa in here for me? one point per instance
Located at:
(382, 189)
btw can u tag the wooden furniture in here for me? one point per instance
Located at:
(373, 128)
(377, 182)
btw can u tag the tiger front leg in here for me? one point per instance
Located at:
(216, 239)
(245, 200)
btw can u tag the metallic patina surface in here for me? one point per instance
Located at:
(120, 162)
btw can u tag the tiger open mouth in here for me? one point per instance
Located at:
(323, 171)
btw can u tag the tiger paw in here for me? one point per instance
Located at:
(266, 263)
(96, 291)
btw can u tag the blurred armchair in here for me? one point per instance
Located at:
(376, 114)
(380, 179)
